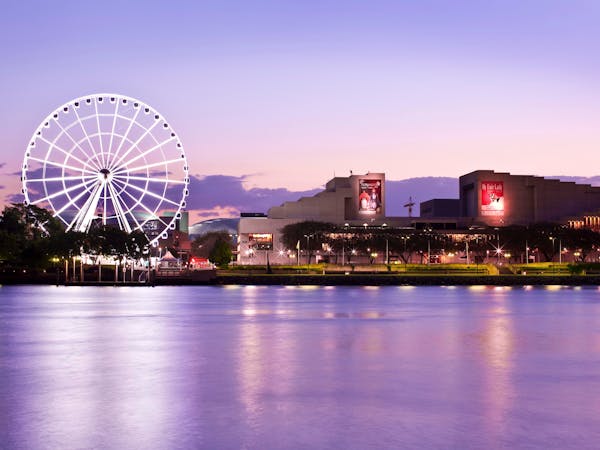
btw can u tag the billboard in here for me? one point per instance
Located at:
(369, 196)
(260, 241)
(492, 198)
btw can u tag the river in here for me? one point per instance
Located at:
(299, 367)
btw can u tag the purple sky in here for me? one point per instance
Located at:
(285, 94)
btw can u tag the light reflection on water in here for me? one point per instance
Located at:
(299, 367)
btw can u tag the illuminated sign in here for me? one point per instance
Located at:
(260, 241)
(369, 196)
(492, 198)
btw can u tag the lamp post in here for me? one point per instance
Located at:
(428, 249)
(498, 251)
(308, 236)
(387, 253)
(552, 238)
(428, 230)
(405, 238)
(560, 251)
(344, 242)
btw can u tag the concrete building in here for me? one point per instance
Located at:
(487, 199)
(357, 199)
(500, 199)
(440, 207)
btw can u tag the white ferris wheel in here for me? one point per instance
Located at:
(107, 159)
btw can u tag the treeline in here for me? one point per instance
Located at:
(31, 238)
(517, 243)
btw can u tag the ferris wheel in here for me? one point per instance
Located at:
(107, 159)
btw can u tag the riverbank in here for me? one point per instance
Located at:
(223, 278)
(408, 280)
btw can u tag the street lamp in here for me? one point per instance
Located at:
(428, 230)
(387, 252)
(552, 238)
(405, 238)
(308, 236)
(560, 251)
(346, 225)
(498, 249)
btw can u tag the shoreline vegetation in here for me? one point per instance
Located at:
(540, 274)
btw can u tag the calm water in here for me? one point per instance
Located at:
(276, 367)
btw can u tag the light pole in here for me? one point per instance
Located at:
(428, 249)
(308, 236)
(560, 251)
(428, 230)
(344, 242)
(387, 253)
(498, 251)
(552, 238)
(405, 238)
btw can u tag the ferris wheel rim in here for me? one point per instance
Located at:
(122, 174)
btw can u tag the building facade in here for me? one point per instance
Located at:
(486, 199)
(500, 199)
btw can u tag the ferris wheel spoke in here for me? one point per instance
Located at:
(85, 133)
(153, 214)
(135, 144)
(76, 177)
(148, 166)
(99, 133)
(52, 144)
(150, 179)
(83, 184)
(147, 152)
(120, 213)
(77, 144)
(112, 133)
(152, 194)
(104, 209)
(62, 165)
(119, 198)
(70, 203)
(124, 137)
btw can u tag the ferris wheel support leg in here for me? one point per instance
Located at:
(86, 214)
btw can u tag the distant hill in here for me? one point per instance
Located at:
(594, 181)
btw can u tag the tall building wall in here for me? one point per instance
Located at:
(499, 199)
(358, 197)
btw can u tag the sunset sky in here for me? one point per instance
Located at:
(282, 95)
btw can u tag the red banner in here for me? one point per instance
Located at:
(492, 198)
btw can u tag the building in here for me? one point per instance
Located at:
(486, 199)
(499, 199)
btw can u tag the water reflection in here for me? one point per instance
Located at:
(497, 348)
(270, 367)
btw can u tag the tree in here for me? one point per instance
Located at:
(311, 235)
(24, 236)
(203, 245)
(221, 253)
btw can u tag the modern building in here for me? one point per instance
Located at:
(499, 199)
(486, 199)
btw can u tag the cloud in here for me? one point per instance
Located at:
(228, 192)
(225, 196)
